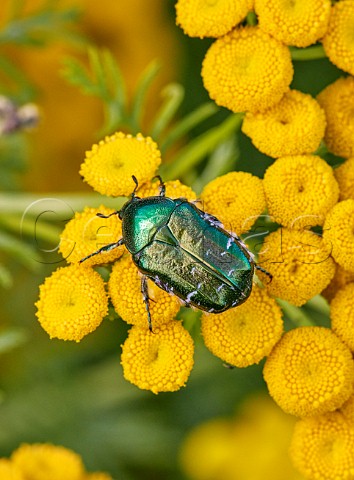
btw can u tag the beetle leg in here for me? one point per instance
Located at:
(105, 248)
(261, 269)
(144, 291)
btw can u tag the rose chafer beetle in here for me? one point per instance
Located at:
(184, 251)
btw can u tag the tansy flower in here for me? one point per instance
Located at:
(342, 315)
(240, 447)
(300, 190)
(347, 409)
(337, 100)
(299, 22)
(243, 335)
(309, 372)
(160, 361)
(110, 164)
(200, 18)
(294, 126)
(72, 303)
(208, 452)
(338, 232)
(86, 233)
(247, 70)
(45, 461)
(9, 471)
(341, 278)
(236, 199)
(125, 292)
(300, 263)
(345, 177)
(174, 189)
(323, 447)
(338, 41)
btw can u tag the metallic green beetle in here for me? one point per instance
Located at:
(185, 251)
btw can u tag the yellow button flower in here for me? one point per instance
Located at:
(323, 447)
(244, 335)
(236, 199)
(45, 461)
(9, 471)
(338, 41)
(86, 233)
(300, 263)
(294, 126)
(348, 409)
(309, 372)
(341, 278)
(72, 303)
(298, 22)
(124, 288)
(110, 164)
(338, 232)
(159, 361)
(211, 18)
(342, 315)
(174, 189)
(300, 190)
(247, 70)
(345, 177)
(337, 100)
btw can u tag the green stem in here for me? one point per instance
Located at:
(310, 53)
(196, 151)
(187, 124)
(298, 317)
(173, 95)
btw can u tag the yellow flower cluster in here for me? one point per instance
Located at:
(247, 70)
(293, 126)
(345, 177)
(310, 371)
(44, 461)
(199, 18)
(109, 165)
(337, 101)
(244, 335)
(338, 41)
(252, 445)
(228, 198)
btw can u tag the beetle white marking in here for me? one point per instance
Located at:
(190, 295)
(230, 241)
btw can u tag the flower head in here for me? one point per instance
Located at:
(299, 23)
(338, 231)
(72, 303)
(338, 41)
(300, 190)
(294, 126)
(345, 177)
(87, 232)
(110, 164)
(160, 361)
(244, 335)
(341, 278)
(337, 100)
(247, 70)
(309, 372)
(125, 292)
(342, 315)
(200, 18)
(323, 447)
(300, 263)
(45, 461)
(174, 189)
(236, 199)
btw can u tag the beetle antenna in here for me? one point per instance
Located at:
(135, 180)
(162, 186)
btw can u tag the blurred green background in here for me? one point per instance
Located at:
(74, 394)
